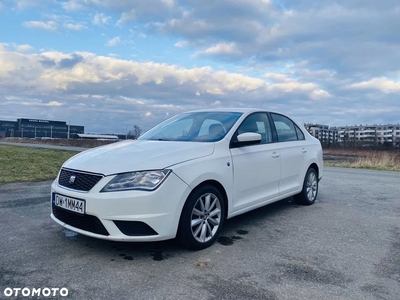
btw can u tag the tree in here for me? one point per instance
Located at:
(135, 133)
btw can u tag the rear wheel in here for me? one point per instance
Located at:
(310, 189)
(202, 218)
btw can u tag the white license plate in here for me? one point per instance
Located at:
(69, 203)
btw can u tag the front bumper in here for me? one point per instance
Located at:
(126, 215)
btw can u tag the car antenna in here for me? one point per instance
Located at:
(263, 102)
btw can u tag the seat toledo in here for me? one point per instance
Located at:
(186, 176)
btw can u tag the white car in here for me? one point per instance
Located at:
(185, 176)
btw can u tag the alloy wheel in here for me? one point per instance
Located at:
(206, 217)
(312, 186)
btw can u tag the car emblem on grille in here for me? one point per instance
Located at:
(72, 179)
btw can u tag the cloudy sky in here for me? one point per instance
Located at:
(112, 64)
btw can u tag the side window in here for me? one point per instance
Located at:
(300, 134)
(258, 123)
(285, 128)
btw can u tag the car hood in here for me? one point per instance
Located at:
(137, 155)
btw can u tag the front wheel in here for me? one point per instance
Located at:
(310, 189)
(202, 218)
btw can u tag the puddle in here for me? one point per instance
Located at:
(159, 256)
(225, 241)
(228, 241)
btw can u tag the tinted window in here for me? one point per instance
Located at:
(286, 129)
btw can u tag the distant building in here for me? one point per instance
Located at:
(104, 137)
(362, 135)
(367, 135)
(328, 136)
(37, 128)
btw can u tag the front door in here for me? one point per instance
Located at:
(256, 168)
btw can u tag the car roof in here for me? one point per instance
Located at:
(237, 109)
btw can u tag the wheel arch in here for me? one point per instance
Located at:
(315, 167)
(219, 187)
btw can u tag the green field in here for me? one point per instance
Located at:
(18, 164)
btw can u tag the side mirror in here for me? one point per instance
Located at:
(246, 139)
(249, 137)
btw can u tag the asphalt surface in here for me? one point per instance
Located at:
(345, 246)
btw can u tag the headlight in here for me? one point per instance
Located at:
(142, 180)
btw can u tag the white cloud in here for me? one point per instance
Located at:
(114, 41)
(49, 25)
(75, 26)
(101, 19)
(137, 33)
(382, 84)
(72, 5)
(319, 94)
(26, 4)
(23, 48)
(181, 44)
(221, 49)
(1, 6)
(277, 77)
(54, 103)
(59, 71)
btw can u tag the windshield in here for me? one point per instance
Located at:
(194, 127)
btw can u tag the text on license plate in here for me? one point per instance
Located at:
(69, 203)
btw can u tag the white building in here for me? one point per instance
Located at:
(362, 135)
(327, 135)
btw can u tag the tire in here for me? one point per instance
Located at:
(310, 189)
(202, 218)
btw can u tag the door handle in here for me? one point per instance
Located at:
(303, 150)
(275, 155)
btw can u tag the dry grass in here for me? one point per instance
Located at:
(367, 159)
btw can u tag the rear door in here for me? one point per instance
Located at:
(293, 150)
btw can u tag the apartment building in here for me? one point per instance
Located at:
(328, 136)
(362, 135)
(370, 134)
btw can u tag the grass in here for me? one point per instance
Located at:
(364, 159)
(18, 164)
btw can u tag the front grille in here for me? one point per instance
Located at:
(78, 180)
(134, 228)
(84, 222)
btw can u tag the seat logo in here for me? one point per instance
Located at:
(72, 179)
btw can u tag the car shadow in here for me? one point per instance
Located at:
(234, 229)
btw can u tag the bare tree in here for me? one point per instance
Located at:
(135, 133)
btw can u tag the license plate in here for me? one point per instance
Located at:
(69, 203)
